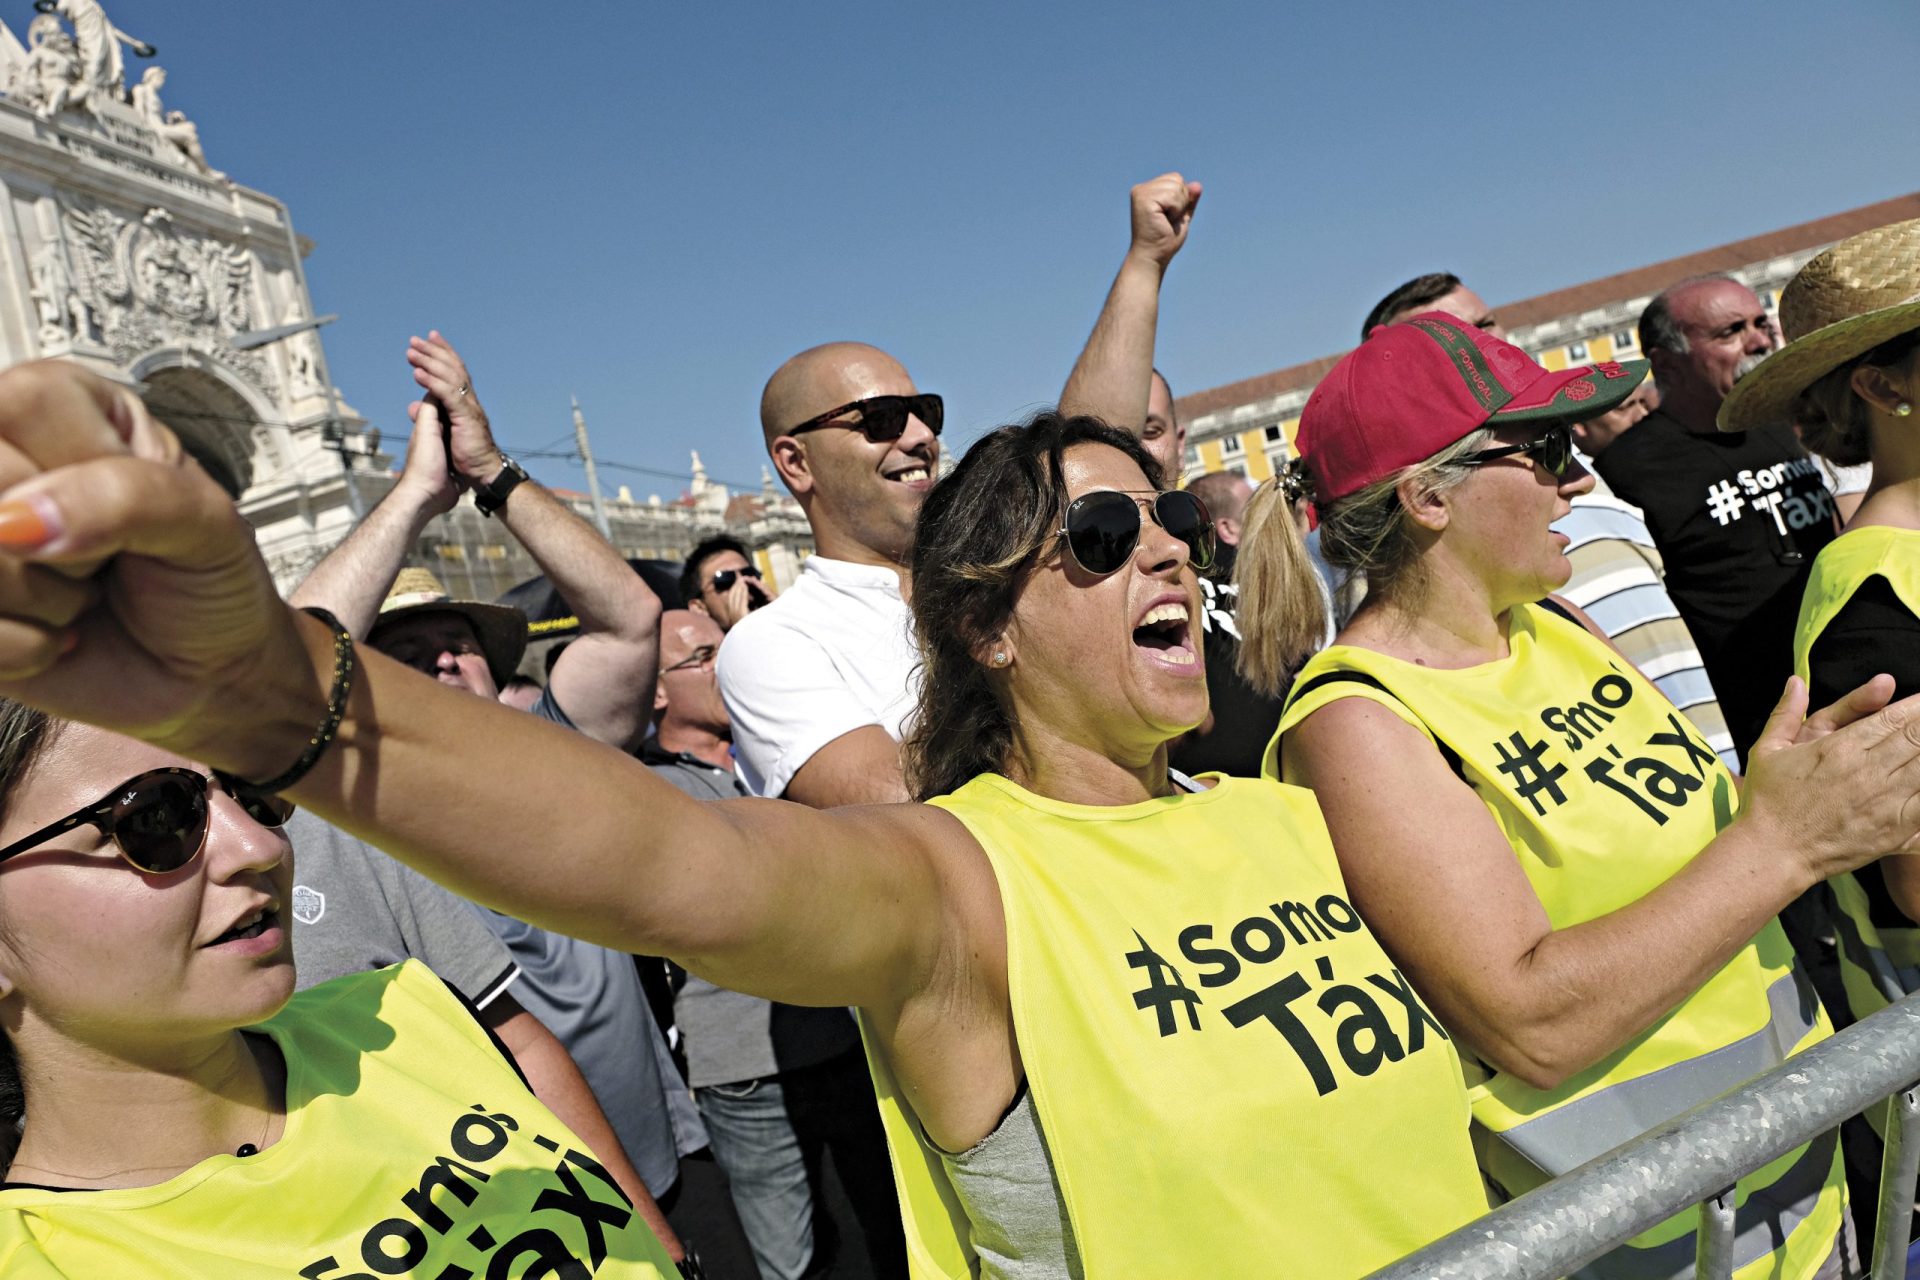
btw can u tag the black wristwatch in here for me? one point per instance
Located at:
(492, 496)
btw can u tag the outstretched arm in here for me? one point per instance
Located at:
(133, 596)
(1112, 378)
(354, 577)
(603, 680)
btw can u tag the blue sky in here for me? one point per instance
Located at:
(650, 206)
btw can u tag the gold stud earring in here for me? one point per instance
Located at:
(1903, 409)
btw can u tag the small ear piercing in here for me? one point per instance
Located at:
(1903, 409)
(999, 658)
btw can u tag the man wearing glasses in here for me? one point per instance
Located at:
(818, 683)
(1738, 517)
(779, 1086)
(720, 580)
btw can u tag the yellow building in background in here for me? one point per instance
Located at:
(1248, 426)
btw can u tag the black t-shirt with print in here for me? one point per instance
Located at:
(1244, 719)
(1737, 519)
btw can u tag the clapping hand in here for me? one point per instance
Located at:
(437, 367)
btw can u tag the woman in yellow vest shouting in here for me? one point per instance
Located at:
(1122, 1026)
(1545, 846)
(1849, 377)
(185, 1114)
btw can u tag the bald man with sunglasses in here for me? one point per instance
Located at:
(818, 683)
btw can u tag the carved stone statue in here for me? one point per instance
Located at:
(172, 126)
(103, 71)
(49, 80)
(151, 284)
(63, 313)
(303, 379)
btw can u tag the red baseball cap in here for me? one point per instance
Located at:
(1413, 388)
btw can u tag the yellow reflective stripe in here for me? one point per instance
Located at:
(1574, 1132)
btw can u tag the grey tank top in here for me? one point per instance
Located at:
(1007, 1186)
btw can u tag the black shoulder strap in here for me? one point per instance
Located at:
(1325, 678)
(1552, 605)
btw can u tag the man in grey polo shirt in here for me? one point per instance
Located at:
(780, 1086)
(602, 685)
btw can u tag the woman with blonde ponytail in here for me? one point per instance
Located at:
(1285, 614)
(1547, 848)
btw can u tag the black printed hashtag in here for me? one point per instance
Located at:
(1159, 994)
(1522, 764)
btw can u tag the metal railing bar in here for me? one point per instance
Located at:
(1893, 1224)
(1713, 1251)
(1558, 1228)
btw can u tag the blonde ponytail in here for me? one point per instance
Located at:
(1282, 613)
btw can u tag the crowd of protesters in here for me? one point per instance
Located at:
(1069, 874)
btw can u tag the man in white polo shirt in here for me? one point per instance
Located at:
(819, 683)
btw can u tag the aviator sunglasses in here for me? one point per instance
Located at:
(882, 418)
(1553, 451)
(1102, 528)
(723, 581)
(157, 819)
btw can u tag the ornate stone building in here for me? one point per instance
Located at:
(1248, 426)
(121, 248)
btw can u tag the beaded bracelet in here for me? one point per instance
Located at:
(329, 724)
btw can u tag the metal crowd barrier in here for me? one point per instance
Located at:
(1695, 1158)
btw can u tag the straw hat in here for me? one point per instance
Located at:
(1844, 303)
(502, 630)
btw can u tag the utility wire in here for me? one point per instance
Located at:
(548, 451)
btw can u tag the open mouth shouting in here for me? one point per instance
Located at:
(1165, 633)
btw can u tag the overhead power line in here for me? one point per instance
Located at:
(547, 451)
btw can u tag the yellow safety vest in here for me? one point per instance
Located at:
(1232, 1078)
(1605, 791)
(411, 1148)
(1878, 964)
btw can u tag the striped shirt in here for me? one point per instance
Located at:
(1617, 581)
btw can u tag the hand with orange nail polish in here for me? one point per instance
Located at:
(132, 594)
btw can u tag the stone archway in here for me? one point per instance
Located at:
(220, 425)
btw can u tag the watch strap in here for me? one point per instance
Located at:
(492, 496)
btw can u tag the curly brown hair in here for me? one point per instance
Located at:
(982, 530)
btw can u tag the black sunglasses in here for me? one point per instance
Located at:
(157, 819)
(723, 581)
(1102, 528)
(1553, 451)
(882, 418)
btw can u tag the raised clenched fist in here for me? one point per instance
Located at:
(1162, 212)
